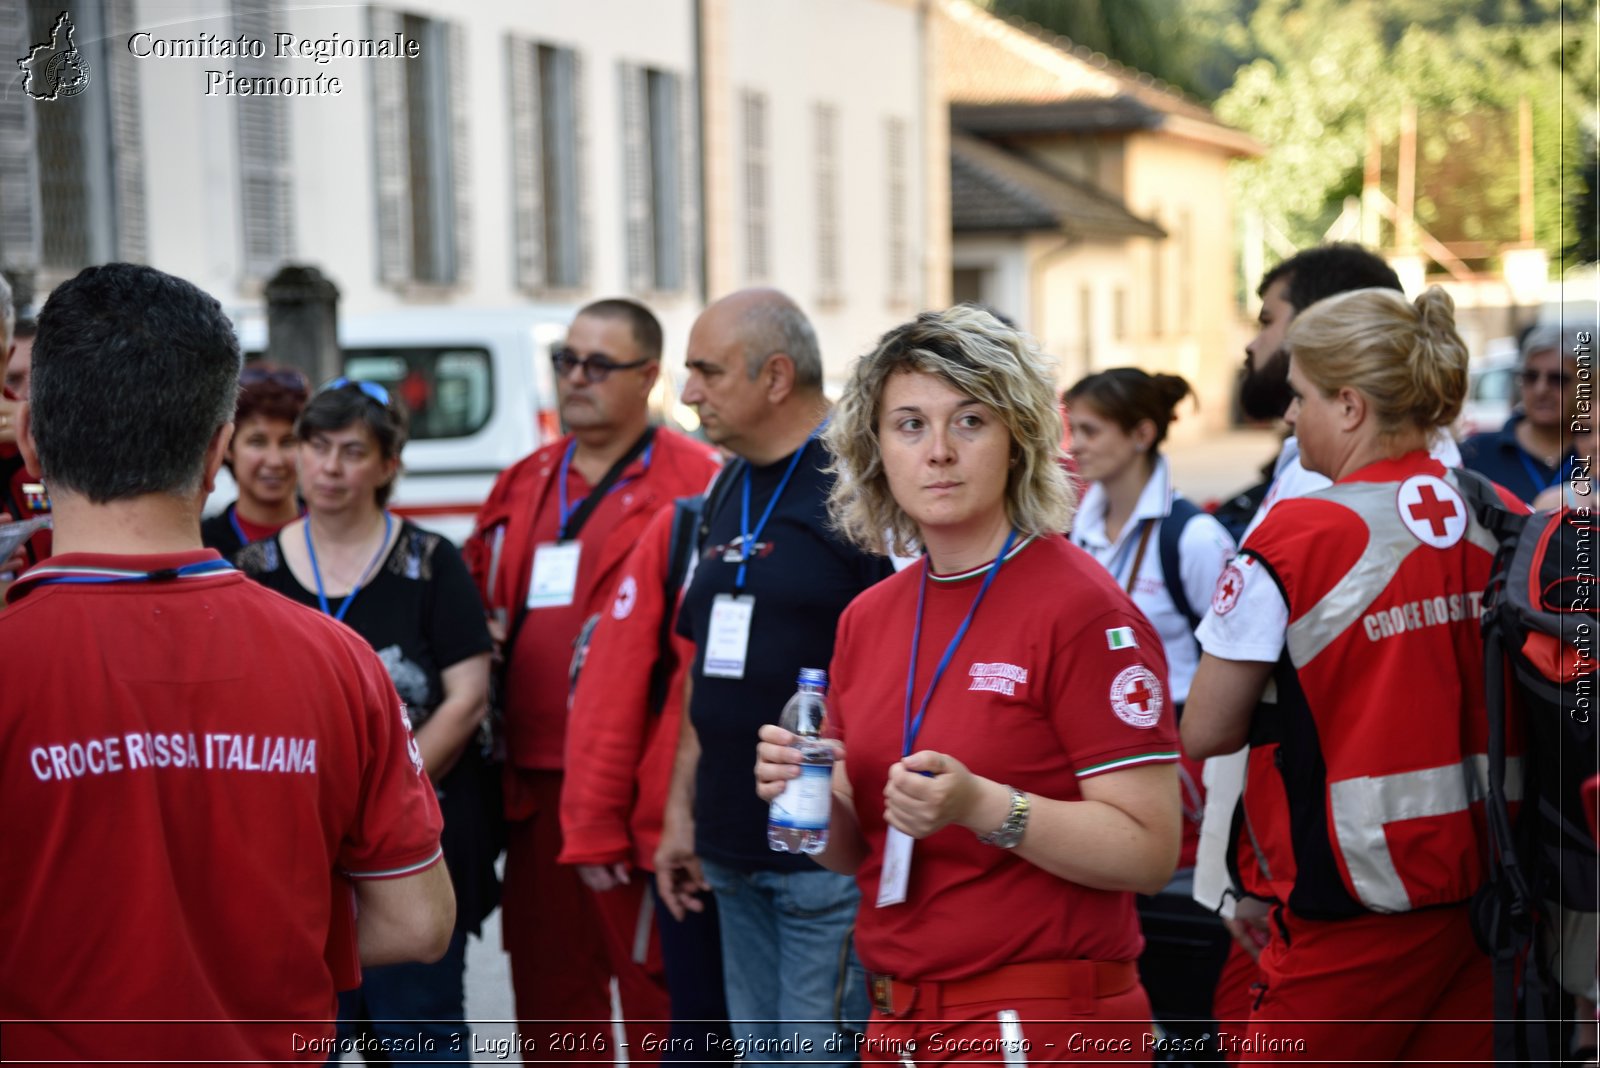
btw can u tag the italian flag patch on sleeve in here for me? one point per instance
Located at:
(1121, 638)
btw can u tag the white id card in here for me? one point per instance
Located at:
(896, 871)
(555, 574)
(728, 640)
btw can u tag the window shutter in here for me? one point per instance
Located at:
(636, 178)
(266, 188)
(527, 169)
(20, 210)
(127, 156)
(460, 148)
(825, 129)
(580, 138)
(897, 214)
(391, 155)
(688, 218)
(754, 107)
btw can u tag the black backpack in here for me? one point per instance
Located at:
(1540, 629)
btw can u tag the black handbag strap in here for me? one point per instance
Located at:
(580, 516)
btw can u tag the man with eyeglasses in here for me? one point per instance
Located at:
(546, 552)
(1533, 451)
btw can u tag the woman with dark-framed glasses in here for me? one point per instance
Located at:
(407, 592)
(263, 458)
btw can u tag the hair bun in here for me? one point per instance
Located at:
(1436, 313)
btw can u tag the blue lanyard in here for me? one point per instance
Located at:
(561, 480)
(748, 537)
(98, 576)
(1536, 476)
(912, 726)
(233, 517)
(316, 572)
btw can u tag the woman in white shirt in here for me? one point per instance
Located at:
(1166, 553)
(1130, 510)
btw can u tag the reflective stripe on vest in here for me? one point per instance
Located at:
(1361, 808)
(1342, 606)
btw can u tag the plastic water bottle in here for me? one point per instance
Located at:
(798, 820)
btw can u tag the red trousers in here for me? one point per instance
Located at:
(1397, 988)
(1054, 1026)
(566, 942)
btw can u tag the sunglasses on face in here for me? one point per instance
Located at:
(372, 390)
(1530, 377)
(597, 367)
(284, 377)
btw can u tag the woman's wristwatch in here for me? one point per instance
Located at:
(1009, 834)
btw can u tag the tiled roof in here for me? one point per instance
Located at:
(993, 189)
(990, 61)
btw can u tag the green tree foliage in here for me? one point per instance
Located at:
(1188, 43)
(1325, 68)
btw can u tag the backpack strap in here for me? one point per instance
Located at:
(1172, 527)
(686, 513)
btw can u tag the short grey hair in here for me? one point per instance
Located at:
(774, 324)
(1560, 337)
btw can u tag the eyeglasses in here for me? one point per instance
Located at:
(597, 367)
(285, 377)
(1529, 377)
(371, 389)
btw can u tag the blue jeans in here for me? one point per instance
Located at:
(413, 1005)
(789, 962)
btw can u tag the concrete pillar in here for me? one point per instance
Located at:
(303, 322)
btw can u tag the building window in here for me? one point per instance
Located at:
(546, 162)
(661, 216)
(266, 189)
(825, 149)
(420, 116)
(898, 216)
(753, 114)
(82, 154)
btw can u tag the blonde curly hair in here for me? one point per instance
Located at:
(982, 358)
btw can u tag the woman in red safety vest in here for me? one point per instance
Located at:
(1346, 631)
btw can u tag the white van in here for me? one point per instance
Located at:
(479, 387)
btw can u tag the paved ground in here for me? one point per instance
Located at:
(1216, 466)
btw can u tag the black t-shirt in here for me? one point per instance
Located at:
(802, 575)
(422, 614)
(218, 532)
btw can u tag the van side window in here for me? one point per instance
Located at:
(449, 392)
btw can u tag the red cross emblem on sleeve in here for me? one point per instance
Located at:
(1432, 510)
(1136, 696)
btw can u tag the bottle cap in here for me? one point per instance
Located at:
(813, 677)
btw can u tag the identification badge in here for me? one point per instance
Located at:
(728, 640)
(896, 873)
(555, 574)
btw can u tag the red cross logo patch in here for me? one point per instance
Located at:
(627, 597)
(1230, 584)
(1432, 510)
(1136, 696)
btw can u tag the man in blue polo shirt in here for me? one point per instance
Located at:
(1533, 450)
